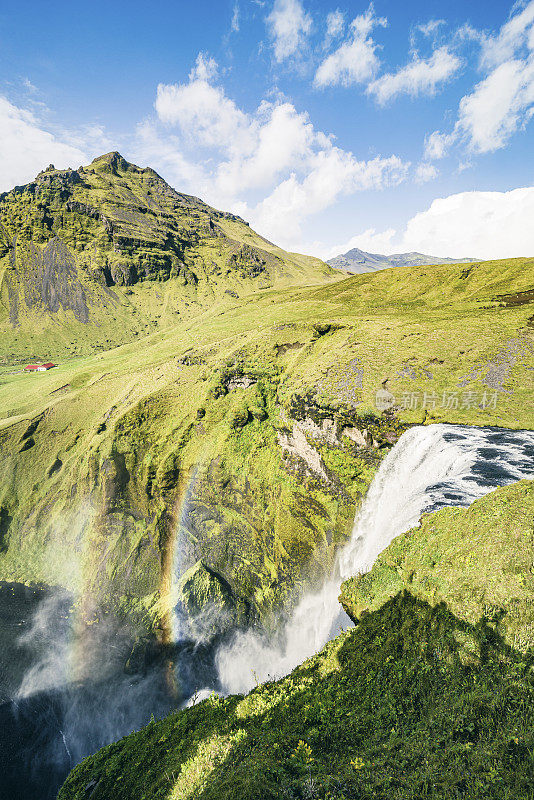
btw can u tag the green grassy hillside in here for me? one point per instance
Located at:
(480, 561)
(411, 703)
(245, 435)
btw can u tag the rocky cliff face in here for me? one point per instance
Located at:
(73, 243)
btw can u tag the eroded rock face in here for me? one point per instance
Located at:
(50, 279)
(328, 430)
(259, 517)
(297, 444)
(240, 382)
(361, 438)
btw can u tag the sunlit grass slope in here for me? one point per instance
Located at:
(251, 428)
(479, 561)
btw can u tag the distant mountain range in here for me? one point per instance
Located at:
(358, 261)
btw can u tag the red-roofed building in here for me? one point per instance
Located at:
(39, 367)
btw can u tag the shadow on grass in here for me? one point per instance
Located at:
(412, 703)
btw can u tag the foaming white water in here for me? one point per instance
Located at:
(430, 467)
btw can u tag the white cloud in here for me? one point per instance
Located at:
(280, 139)
(355, 61)
(205, 68)
(498, 106)
(431, 27)
(270, 165)
(288, 26)
(90, 138)
(420, 77)
(234, 25)
(437, 145)
(503, 101)
(332, 173)
(164, 153)
(27, 147)
(250, 150)
(335, 25)
(514, 34)
(202, 111)
(486, 225)
(476, 224)
(29, 86)
(425, 172)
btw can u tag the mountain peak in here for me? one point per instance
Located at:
(358, 261)
(113, 162)
(73, 239)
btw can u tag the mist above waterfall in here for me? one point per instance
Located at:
(73, 697)
(48, 638)
(430, 467)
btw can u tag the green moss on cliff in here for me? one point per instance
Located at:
(391, 709)
(479, 561)
(111, 252)
(245, 428)
(151, 476)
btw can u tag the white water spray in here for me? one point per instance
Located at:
(429, 468)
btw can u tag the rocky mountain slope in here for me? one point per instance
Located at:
(415, 701)
(236, 438)
(96, 256)
(358, 261)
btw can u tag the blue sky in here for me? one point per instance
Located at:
(390, 126)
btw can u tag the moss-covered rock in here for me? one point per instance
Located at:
(479, 561)
(320, 328)
(240, 416)
(209, 603)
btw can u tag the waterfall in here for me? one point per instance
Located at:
(430, 467)
(54, 723)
